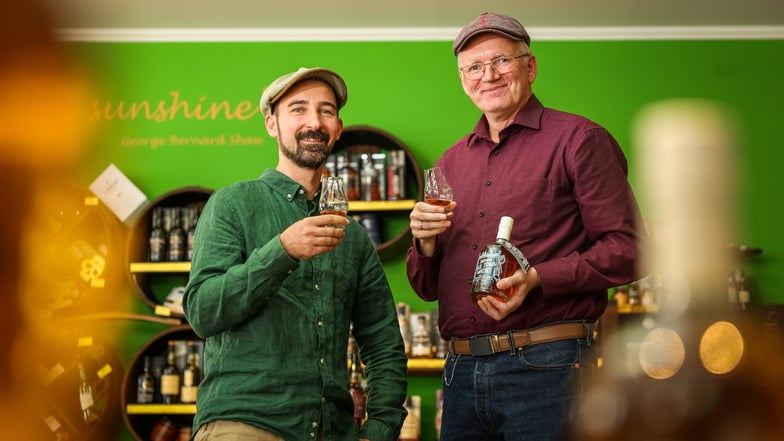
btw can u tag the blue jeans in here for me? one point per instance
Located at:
(521, 395)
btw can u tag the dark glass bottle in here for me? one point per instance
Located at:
(176, 237)
(157, 237)
(170, 377)
(358, 393)
(191, 376)
(145, 384)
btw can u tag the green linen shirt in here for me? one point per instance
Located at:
(276, 329)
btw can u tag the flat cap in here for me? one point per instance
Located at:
(279, 87)
(491, 22)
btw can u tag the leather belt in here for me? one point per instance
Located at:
(482, 345)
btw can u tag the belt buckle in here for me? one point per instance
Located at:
(480, 346)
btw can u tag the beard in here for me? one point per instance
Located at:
(311, 155)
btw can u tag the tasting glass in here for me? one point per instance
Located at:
(437, 189)
(333, 198)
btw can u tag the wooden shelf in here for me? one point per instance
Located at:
(160, 267)
(405, 204)
(160, 409)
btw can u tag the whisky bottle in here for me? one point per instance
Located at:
(421, 343)
(732, 293)
(176, 237)
(369, 185)
(497, 260)
(157, 237)
(411, 429)
(744, 295)
(358, 393)
(170, 378)
(191, 376)
(86, 398)
(145, 384)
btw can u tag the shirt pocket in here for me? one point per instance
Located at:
(529, 201)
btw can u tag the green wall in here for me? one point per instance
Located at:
(411, 89)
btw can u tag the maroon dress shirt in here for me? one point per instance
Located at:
(563, 179)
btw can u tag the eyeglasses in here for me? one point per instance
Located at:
(501, 65)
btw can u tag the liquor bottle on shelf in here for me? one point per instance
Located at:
(744, 295)
(369, 185)
(411, 429)
(191, 376)
(349, 176)
(170, 377)
(86, 398)
(145, 384)
(396, 175)
(497, 260)
(358, 393)
(380, 164)
(157, 237)
(439, 412)
(403, 319)
(421, 343)
(176, 237)
(732, 293)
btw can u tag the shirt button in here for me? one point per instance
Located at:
(474, 246)
(301, 191)
(288, 196)
(322, 361)
(487, 183)
(313, 424)
(473, 319)
(481, 214)
(317, 287)
(320, 324)
(323, 399)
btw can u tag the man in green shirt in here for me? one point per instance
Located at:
(273, 290)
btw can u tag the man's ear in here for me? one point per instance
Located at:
(272, 125)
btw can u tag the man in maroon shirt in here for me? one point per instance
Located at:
(512, 368)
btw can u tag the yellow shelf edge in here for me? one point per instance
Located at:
(405, 204)
(156, 409)
(426, 364)
(160, 267)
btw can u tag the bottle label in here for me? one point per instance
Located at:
(86, 398)
(518, 255)
(170, 384)
(188, 394)
(488, 269)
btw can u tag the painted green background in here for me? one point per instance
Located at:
(411, 89)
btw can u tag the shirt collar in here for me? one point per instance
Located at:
(282, 184)
(529, 116)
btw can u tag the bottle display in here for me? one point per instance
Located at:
(191, 376)
(170, 377)
(497, 260)
(145, 384)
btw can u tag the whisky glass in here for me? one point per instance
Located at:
(437, 189)
(333, 198)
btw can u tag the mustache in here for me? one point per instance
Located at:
(313, 134)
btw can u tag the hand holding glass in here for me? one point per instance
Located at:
(333, 199)
(437, 189)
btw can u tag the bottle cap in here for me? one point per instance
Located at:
(505, 227)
